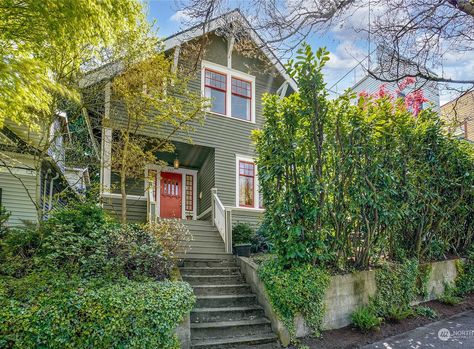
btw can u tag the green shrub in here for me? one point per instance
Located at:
(424, 273)
(55, 310)
(18, 247)
(299, 290)
(396, 288)
(260, 241)
(80, 239)
(4, 215)
(242, 233)
(137, 252)
(426, 312)
(465, 277)
(365, 319)
(450, 295)
(397, 313)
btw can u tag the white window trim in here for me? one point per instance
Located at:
(256, 198)
(229, 72)
(183, 172)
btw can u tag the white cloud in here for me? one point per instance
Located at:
(180, 17)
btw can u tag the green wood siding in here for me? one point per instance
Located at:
(15, 198)
(136, 209)
(134, 186)
(254, 219)
(206, 181)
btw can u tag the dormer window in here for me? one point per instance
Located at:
(232, 93)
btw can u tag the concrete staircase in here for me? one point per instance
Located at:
(207, 243)
(226, 314)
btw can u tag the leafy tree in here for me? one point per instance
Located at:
(46, 47)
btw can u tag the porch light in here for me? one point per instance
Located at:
(176, 163)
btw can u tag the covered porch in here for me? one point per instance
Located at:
(182, 188)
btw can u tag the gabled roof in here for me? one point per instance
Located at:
(218, 22)
(109, 70)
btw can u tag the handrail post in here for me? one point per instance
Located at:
(213, 205)
(228, 230)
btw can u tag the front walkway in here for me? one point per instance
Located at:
(452, 333)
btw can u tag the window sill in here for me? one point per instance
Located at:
(231, 117)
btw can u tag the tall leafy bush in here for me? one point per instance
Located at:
(352, 181)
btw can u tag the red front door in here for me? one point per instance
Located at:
(170, 195)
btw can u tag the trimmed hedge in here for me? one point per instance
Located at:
(60, 311)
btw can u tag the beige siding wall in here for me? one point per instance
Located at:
(460, 115)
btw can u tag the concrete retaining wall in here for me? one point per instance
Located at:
(249, 270)
(344, 295)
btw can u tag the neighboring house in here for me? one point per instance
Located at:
(371, 84)
(22, 191)
(222, 156)
(459, 115)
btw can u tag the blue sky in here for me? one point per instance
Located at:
(347, 47)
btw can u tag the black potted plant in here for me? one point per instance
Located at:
(242, 236)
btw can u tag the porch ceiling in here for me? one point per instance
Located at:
(189, 155)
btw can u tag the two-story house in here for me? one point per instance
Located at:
(214, 179)
(388, 72)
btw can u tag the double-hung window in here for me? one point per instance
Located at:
(241, 99)
(246, 184)
(231, 92)
(248, 190)
(216, 90)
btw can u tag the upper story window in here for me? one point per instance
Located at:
(215, 89)
(241, 99)
(232, 93)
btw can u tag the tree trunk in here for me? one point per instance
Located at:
(123, 177)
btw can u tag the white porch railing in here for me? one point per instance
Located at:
(222, 219)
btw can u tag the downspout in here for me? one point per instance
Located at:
(51, 191)
(43, 206)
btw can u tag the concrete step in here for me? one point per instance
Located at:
(211, 263)
(226, 300)
(215, 290)
(256, 341)
(223, 329)
(207, 237)
(196, 222)
(227, 313)
(230, 279)
(207, 250)
(196, 255)
(205, 228)
(209, 270)
(207, 244)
